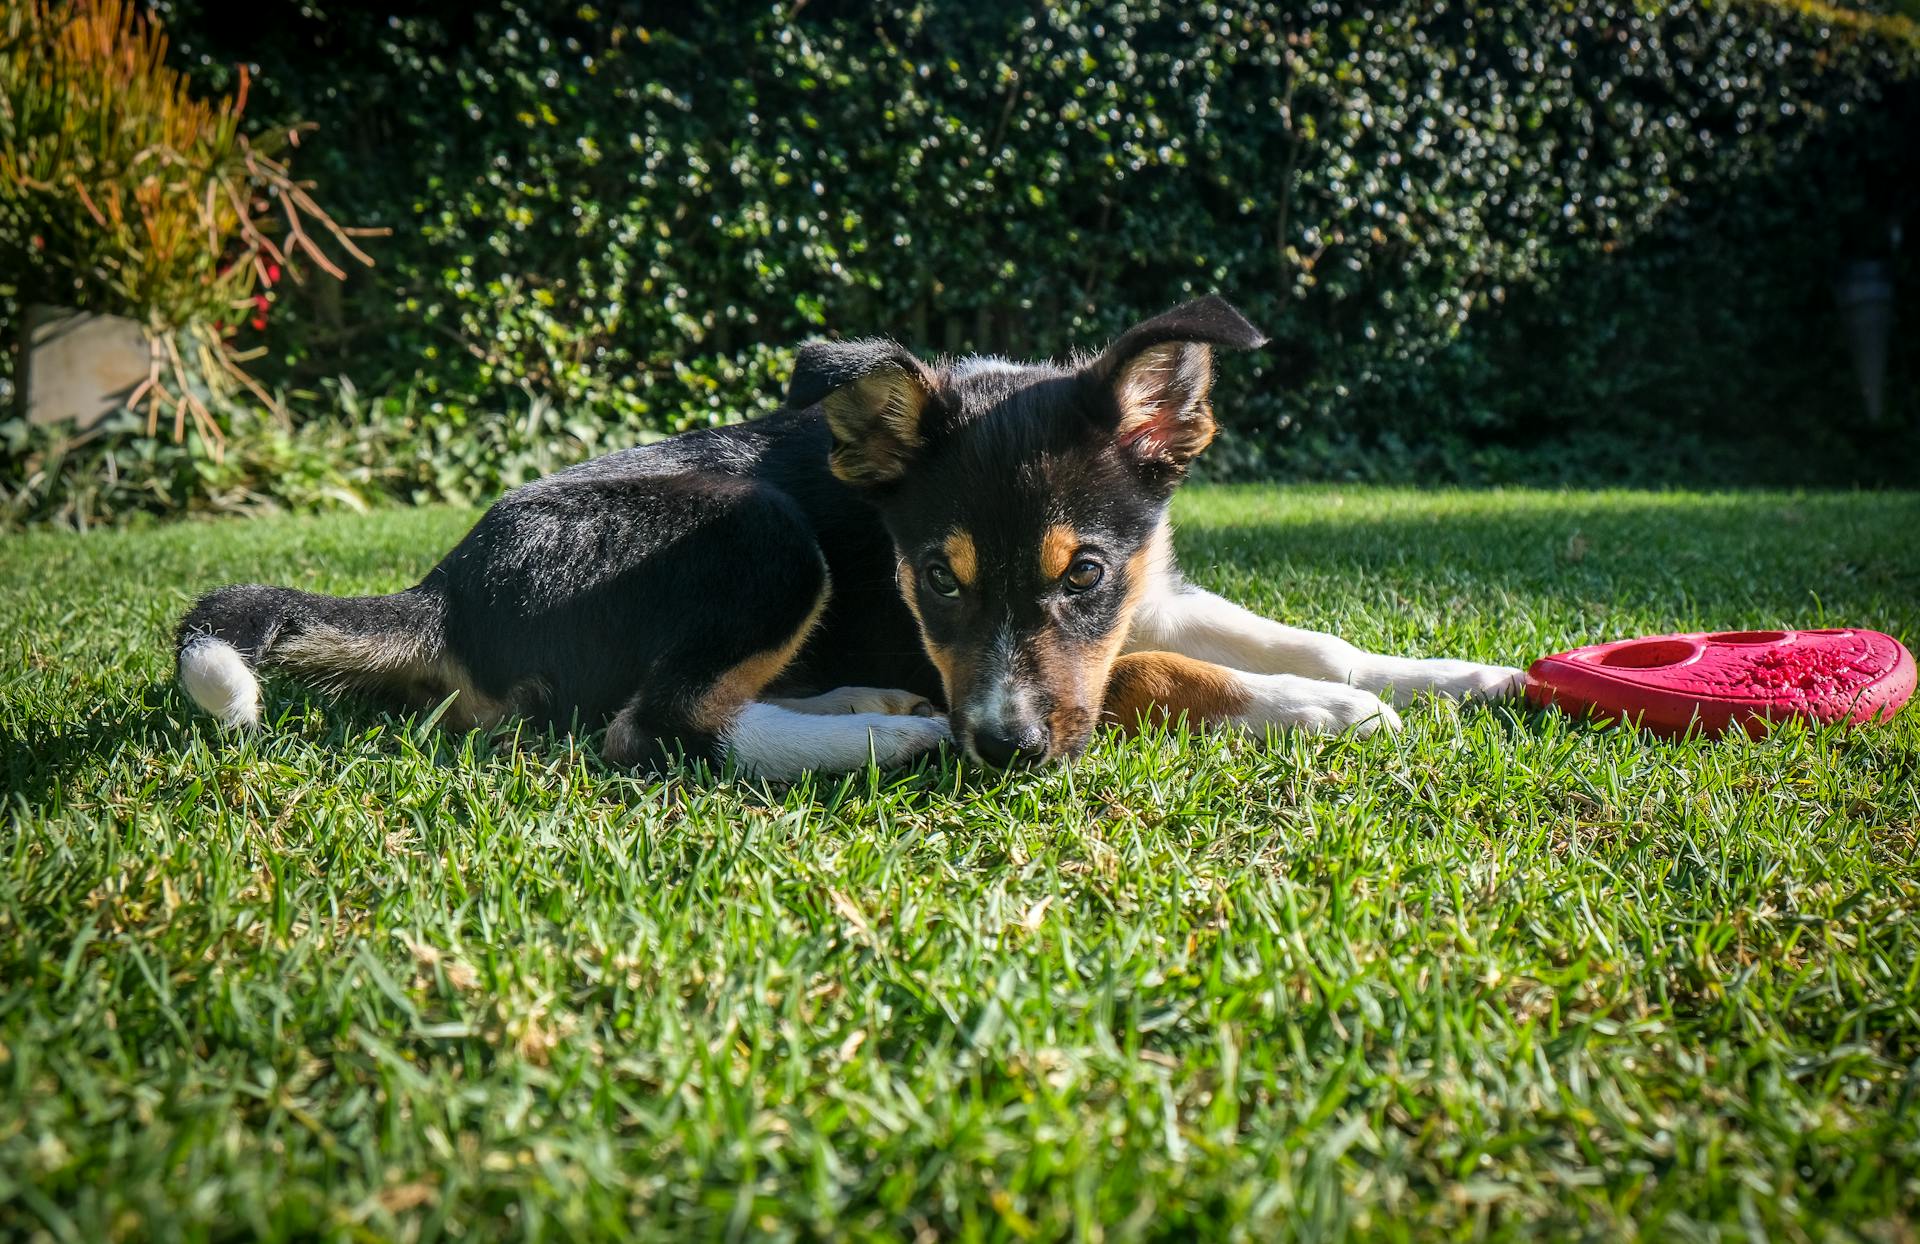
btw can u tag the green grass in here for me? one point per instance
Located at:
(1503, 975)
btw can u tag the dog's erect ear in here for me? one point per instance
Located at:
(1160, 372)
(872, 393)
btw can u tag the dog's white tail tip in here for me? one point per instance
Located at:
(215, 674)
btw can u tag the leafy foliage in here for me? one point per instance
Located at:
(605, 200)
(364, 451)
(1479, 232)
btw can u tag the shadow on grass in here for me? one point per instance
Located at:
(39, 758)
(38, 762)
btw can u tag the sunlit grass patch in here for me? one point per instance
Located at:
(352, 977)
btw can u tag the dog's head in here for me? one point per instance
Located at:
(1027, 505)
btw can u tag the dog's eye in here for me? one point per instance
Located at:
(941, 580)
(1085, 575)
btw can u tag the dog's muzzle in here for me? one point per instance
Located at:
(1000, 745)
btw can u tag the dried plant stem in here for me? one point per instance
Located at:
(231, 362)
(203, 419)
(150, 386)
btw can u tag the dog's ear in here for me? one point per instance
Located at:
(1158, 376)
(873, 394)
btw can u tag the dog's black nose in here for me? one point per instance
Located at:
(1005, 749)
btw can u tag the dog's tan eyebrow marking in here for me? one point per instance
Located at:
(961, 557)
(944, 659)
(1057, 548)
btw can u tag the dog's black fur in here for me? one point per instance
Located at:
(667, 585)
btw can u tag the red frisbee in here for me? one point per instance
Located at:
(1726, 680)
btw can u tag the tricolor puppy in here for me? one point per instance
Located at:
(975, 550)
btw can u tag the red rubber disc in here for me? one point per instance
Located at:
(1720, 681)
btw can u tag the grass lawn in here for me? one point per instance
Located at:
(1504, 974)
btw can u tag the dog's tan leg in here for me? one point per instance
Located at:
(1153, 688)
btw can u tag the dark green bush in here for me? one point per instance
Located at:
(1476, 230)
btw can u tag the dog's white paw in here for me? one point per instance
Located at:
(901, 737)
(1362, 712)
(1317, 707)
(896, 703)
(1456, 680)
(1466, 680)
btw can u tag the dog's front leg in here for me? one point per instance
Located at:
(1198, 624)
(1152, 688)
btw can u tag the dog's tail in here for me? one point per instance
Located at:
(365, 643)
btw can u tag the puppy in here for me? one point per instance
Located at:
(975, 550)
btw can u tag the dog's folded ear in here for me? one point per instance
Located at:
(873, 394)
(1159, 374)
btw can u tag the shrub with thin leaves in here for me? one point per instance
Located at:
(603, 198)
(124, 191)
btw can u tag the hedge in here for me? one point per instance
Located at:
(1475, 229)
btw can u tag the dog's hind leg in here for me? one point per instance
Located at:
(716, 621)
(694, 714)
(834, 733)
